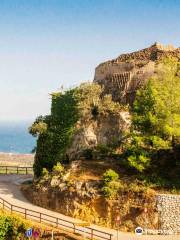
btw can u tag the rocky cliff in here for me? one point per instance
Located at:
(79, 194)
(122, 76)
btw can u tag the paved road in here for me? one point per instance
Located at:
(10, 191)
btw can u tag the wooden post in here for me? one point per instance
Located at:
(6, 169)
(26, 171)
(74, 228)
(25, 214)
(17, 170)
(11, 208)
(91, 233)
(56, 222)
(3, 204)
(40, 217)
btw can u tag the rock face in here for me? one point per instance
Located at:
(100, 132)
(122, 76)
(84, 200)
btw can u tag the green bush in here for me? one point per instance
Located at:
(58, 169)
(110, 175)
(111, 189)
(159, 143)
(111, 183)
(140, 161)
(45, 172)
(11, 228)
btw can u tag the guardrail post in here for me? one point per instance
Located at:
(91, 233)
(6, 169)
(26, 171)
(3, 203)
(17, 170)
(11, 208)
(40, 217)
(25, 214)
(74, 227)
(110, 236)
(56, 222)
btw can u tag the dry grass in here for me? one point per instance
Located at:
(92, 169)
(8, 159)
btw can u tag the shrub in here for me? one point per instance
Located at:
(11, 227)
(139, 161)
(45, 172)
(58, 169)
(44, 175)
(111, 189)
(110, 175)
(111, 183)
(159, 143)
(38, 128)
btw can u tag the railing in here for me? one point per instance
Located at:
(16, 170)
(56, 221)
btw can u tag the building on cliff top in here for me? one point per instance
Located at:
(121, 77)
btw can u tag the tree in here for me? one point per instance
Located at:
(156, 109)
(155, 115)
(166, 93)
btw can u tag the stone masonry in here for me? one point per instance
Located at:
(123, 76)
(168, 207)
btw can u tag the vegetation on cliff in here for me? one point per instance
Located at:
(127, 170)
(156, 125)
(144, 151)
(55, 132)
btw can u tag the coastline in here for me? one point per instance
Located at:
(14, 153)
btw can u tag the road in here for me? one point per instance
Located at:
(10, 191)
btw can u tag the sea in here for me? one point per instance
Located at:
(14, 138)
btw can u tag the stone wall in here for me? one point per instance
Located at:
(123, 76)
(169, 212)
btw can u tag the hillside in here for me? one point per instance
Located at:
(97, 151)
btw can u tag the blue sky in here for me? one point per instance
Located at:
(48, 43)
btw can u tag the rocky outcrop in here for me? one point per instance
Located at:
(104, 131)
(122, 76)
(84, 200)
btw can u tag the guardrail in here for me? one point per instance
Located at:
(56, 222)
(16, 170)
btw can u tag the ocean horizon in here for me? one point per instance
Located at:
(14, 138)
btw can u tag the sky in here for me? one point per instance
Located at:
(45, 44)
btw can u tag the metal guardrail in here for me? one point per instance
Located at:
(16, 170)
(56, 222)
